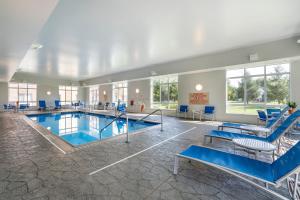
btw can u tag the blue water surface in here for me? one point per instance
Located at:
(79, 128)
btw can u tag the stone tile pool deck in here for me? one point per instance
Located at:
(32, 168)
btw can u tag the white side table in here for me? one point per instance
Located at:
(195, 112)
(256, 129)
(255, 145)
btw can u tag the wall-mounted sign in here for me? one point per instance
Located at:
(199, 98)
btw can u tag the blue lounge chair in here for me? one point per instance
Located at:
(57, 104)
(274, 136)
(270, 173)
(183, 109)
(262, 117)
(273, 112)
(42, 105)
(208, 113)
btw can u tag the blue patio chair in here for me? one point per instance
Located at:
(208, 112)
(23, 107)
(42, 105)
(273, 173)
(7, 107)
(183, 109)
(57, 104)
(273, 137)
(122, 108)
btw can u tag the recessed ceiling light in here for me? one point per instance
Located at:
(36, 46)
(298, 41)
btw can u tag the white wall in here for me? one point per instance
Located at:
(3, 93)
(143, 96)
(43, 85)
(214, 83)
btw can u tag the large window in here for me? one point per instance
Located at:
(164, 92)
(250, 89)
(25, 93)
(120, 92)
(68, 94)
(94, 95)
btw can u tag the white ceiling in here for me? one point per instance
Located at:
(20, 23)
(85, 39)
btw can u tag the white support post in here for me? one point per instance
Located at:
(176, 165)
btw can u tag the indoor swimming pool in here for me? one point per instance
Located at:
(78, 128)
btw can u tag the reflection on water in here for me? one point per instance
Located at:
(80, 128)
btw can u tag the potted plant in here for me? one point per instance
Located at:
(292, 105)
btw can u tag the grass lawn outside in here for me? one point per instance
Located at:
(249, 109)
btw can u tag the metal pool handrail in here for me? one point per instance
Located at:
(161, 118)
(118, 117)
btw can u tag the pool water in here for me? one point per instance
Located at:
(79, 128)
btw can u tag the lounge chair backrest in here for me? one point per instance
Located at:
(42, 103)
(287, 162)
(273, 110)
(283, 127)
(262, 115)
(57, 103)
(209, 109)
(183, 108)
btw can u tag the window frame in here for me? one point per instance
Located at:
(93, 92)
(33, 86)
(65, 90)
(120, 86)
(265, 75)
(162, 82)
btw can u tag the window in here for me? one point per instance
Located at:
(94, 95)
(164, 92)
(68, 94)
(120, 92)
(250, 89)
(25, 93)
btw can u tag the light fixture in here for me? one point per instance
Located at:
(137, 90)
(198, 87)
(36, 46)
(104, 92)
(298, 41)
(49, 93)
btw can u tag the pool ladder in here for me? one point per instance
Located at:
(161, 117)
(118, 117)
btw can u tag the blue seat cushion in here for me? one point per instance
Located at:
(235, 125)
(183, 108)
(236, 163)
(230, 135)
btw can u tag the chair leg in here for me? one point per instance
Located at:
(176, 165)
(296, 185)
